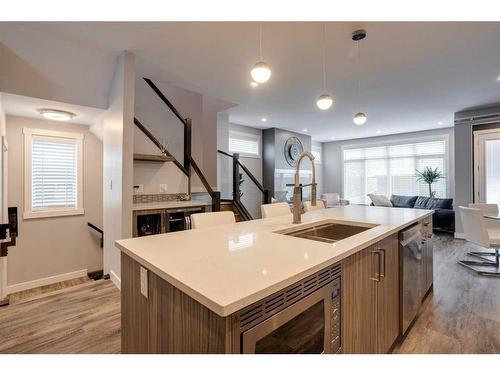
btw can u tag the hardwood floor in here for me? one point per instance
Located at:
(463, 313)
(79, 319)
(461, 316)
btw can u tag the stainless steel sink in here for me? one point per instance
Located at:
(329, 232)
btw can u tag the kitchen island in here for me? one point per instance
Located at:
(187, 291)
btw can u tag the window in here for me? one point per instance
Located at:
(53, 173)
(391, 169)
(245, 144)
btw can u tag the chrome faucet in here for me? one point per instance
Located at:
(297, 189)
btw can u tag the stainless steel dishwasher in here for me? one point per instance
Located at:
(412, 247)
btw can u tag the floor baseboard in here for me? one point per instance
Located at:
(115, 279)
(460, 236)
(14, 288)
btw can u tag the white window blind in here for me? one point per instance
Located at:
(391, 169)
(244, 144)
(53, 173)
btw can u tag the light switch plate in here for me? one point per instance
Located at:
(163, 188)
(144, 282)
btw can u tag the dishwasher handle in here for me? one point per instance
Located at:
(416, 236)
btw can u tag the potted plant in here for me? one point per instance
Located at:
(429, 176)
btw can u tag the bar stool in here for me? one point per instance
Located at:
(478, 233)
(275, 209)
(309, 207)
(210, 219)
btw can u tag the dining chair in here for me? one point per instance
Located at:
(309, 207)
(275, 209)
(477, 232)
(486, 209)
(210, 219)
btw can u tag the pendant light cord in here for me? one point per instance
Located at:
(324, 57)
(359, 76)
(260, 41)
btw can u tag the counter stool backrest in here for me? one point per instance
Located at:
(209, 219)
(275, 209)
(309, 207)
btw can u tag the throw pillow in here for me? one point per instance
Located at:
(380, 200)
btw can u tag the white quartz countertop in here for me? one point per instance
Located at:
(229, 267)
(168, 204)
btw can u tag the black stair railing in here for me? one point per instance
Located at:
(237, 164)
(189, 163)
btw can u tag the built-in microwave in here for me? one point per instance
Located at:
(310, 325)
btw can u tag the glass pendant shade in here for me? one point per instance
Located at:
(261, 72)
(324, 102)
(359, 118)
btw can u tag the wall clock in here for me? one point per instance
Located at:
(293, 149)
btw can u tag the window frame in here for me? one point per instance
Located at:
(246, 135)
(29, 213)
(427, 138)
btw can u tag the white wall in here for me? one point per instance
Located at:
(332, 156)
(48, 247)
(118, 143)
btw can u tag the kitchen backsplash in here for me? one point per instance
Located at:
(147, 198)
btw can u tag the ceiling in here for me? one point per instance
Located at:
(414, 76)
(24, 106)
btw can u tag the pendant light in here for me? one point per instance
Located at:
(324, 101)
(261, 71)
(360, 117)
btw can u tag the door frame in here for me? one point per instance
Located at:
(479, 175)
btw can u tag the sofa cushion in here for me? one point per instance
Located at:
(434, 203)
(403, 201)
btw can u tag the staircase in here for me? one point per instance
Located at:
(189, 166)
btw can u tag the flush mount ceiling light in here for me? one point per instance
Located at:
(324, 101)
(55, 114)
(360, 117)
(263, 119)
(261, 71)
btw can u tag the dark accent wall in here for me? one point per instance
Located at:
(274, 140)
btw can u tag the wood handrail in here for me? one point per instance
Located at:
(165, 100)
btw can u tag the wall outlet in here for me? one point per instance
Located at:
(144, 282)
(138, 189)
(163, 188)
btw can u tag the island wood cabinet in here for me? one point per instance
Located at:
(370, 286)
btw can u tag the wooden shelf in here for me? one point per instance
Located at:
(153, 158)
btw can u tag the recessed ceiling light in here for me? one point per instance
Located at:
(305, 130)
(263, 119)
(498, 78)
(440, 123)
(55, 114)
(254, 84)
(379, 131)
(333, 137)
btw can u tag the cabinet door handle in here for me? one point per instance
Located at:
(382, 261)
(377, 274)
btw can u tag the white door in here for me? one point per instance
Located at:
(487, 166)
